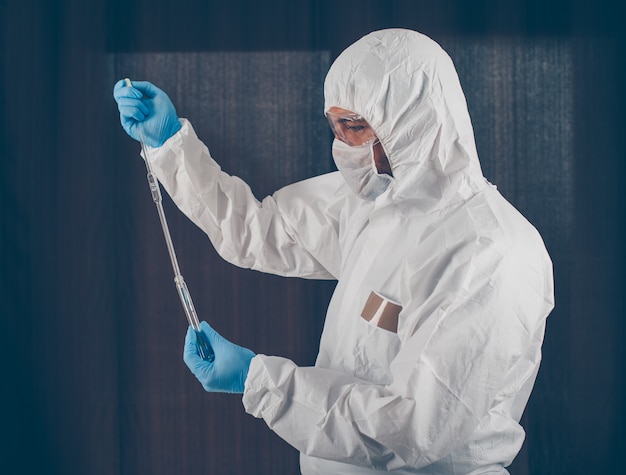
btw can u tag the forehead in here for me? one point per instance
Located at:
(339, 111)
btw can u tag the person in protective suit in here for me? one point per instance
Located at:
(432, 338)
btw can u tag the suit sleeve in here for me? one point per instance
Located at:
(244, 231)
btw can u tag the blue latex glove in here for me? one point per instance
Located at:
(145, 110)
(227, 372)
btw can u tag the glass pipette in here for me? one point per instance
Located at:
(204, 348)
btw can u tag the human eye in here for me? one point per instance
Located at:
(354, 125)
(355, 128)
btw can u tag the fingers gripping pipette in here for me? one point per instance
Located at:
(204, 348)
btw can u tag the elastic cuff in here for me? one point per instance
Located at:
(255, 386)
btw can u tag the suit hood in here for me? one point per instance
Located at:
(406, 87)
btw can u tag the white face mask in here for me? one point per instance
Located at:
(358, 168)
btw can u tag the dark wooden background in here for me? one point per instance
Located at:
(90, 327)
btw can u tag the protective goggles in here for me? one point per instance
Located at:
(352, 129)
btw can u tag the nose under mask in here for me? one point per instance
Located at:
(358, 168)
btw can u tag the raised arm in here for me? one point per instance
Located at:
(246, 232)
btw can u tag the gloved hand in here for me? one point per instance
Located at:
(227, 372)
(146, 111)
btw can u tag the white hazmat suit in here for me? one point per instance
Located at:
(437, 383)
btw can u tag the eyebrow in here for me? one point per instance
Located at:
(351, 119)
